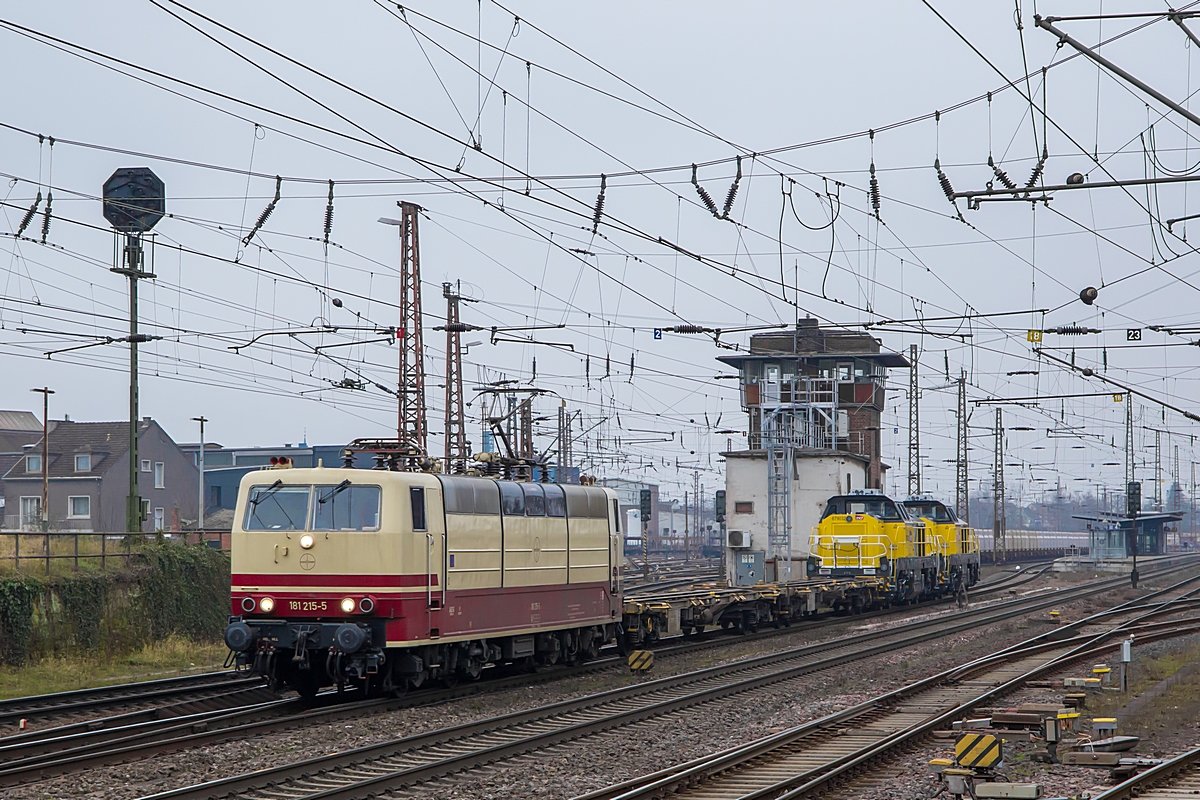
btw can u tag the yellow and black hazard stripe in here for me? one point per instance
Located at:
(641, 660)
(978, 751)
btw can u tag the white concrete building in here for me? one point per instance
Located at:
(817, 475)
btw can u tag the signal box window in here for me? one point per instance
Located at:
(346, 507)
(416, 495)
(277, 508)
(743, 507)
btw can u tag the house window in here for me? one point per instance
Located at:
(145, 465)
(743, 507)
(160, 519)
(160, 475)
(33, 463)
(79, 507)
(31, 512)
(83, 463)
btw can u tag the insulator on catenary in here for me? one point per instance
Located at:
(46, 215)
(631, 366)
(266, 214)
(732, 194)
(1036, 175)
(874, 191)
(689, 329)
(1001, 175)
(704, 195)
(1072, 330)
(943, 180)
(28, 218)
(329, 216)
(599, 205)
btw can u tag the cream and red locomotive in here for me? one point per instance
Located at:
(383, 580)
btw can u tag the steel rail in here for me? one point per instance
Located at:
(41, 754)
(675, 779)
(425, 756)
(34, 706)
(1167, 776)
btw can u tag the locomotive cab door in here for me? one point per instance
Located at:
(616, 550)
(428, 541)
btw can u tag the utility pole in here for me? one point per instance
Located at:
(411, 429)
(200, 504)
(45, 393)
(962, 503)
(456, 425)
(999, 548)
(914, 426)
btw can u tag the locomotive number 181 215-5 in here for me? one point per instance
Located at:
(308, 605)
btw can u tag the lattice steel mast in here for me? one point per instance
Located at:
(962, 502)
(412, 430)
(914, 426)
(998, 521)
(457, 447)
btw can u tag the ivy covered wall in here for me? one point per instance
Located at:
(174, 589)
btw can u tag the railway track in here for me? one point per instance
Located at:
(397, 764)
(42, 753)
(39, 709)
(838, 750)
(1173, 779)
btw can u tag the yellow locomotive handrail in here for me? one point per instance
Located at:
(968, 540)
(850, 550)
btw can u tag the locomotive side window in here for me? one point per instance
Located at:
(535, 500)
(346, 507)
(277, 508)
(512, 499)
(556, 501)
(416, 496)
(617, 515)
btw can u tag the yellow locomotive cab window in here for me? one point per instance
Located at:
(277, 508)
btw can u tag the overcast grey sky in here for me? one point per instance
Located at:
(662, 86)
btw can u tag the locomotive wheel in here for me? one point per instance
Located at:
(450, 680)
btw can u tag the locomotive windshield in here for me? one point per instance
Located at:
(932, 509)
(342, 507)
(346, 508)
(880, 508)
(277, 508)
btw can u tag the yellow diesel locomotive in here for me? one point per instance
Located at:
(869, 534)
(383, 580)
(956, 544)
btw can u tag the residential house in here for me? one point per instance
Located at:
(88, 477)
(17, 429)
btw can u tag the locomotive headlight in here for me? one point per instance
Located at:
(348, 605)
(306, 541)
(266, 605)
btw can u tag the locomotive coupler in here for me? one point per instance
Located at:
(300, 656)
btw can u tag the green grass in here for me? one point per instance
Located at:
(168, 658)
